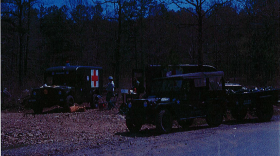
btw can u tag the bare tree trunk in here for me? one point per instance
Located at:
(141, 39)
(200, 41)
(118, 45)
(20, 43)
(27, 39)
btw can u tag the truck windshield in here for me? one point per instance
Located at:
(60, 78)
(166, 86)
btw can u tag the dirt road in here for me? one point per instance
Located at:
(97, 132)
(249, 138)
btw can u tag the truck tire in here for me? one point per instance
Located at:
(214, 117)
(185, 124)
(264, 112)
(133, 125)
(164, 121)
(69, 102)
(239, 113)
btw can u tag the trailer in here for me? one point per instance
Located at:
(257, 102)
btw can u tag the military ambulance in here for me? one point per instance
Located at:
(66, 85)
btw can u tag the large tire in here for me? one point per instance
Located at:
(239, 113)
(133, 125)
(214, 116)
(164, 121)
(185, 124)
(265, 112)
(69, 102)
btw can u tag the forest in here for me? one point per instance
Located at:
(238, 37)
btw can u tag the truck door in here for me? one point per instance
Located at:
(201, 87)
(185, 100)
(138, 81)
(79, 88)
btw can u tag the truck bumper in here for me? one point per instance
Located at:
(45, 103)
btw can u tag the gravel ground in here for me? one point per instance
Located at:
(58, 132)
(20, 129)
(91, 128)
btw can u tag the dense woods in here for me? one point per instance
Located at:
(240, 38)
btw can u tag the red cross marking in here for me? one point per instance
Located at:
(94, 77)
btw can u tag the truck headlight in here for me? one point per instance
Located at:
(145, 104)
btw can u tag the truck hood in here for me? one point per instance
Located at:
(56, 87)
(158, 99)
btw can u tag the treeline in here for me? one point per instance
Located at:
(242, 40)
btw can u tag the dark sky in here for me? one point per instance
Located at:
(60, 3)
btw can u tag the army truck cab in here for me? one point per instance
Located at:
(180, 97)
(66, 85)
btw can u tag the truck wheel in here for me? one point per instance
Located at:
(133, 126)
(69, 102)
(265, 112)
(239, 113)
(214, 116)
(164, 121)
(185, 123)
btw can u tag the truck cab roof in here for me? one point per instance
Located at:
(70, 68)
(197, 75)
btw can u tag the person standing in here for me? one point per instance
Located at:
(110, 92)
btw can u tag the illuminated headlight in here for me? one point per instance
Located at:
(145, 104)
(34, 93)
(129, 105)
(59, 92)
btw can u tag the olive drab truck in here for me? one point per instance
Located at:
(177, 92)
(66, 85)
(182, 97)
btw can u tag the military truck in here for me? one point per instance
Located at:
(180, 97)
(66, 85)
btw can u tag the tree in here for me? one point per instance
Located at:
(260, 20)
(134, 12)
(18, 16)
(199, 13)
(97, 11)
(56, 29)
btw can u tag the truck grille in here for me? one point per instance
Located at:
(49, 94)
